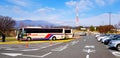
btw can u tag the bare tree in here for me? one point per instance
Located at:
(118, 24)
(116, 27)
(6, 24)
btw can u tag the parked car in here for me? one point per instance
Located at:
(97, 35)
(107, 37)
(115, 44)
(83, 33)
(102, 36)
(114, 38)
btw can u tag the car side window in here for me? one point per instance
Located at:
(118, 38)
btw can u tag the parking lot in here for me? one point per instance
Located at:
(82, 47)
(110, 41)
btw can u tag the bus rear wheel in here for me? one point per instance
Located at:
(28, 38)
(53, 38)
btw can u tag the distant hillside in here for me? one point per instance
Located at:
(33, 23)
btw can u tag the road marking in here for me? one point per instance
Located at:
(89, 50)
(9, 49)
(31, 56)
(38, 56)
(116, 53)
(84, 39)
(12, 54)
(13, 49)
(50, 45)
(74, 42)
(30, 50)
(60, 48)
(87, 56)
(23, 49)
(89, 46)
(20, 54)
(46, 54)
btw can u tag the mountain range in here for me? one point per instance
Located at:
(33, 23)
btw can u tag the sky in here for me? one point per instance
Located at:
(63, 12)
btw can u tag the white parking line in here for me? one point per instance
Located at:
(49, 45)
(33, 49)
(46, 54)
(20, 54)
(30, 50)
(60, 48)
(74, 42)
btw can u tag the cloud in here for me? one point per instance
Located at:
(19, 11)
(101, 19)
(100, 2)
(82, 4)
(104, 2)
(18, 2)
(85, 5)
(71, 3)
(45, 10)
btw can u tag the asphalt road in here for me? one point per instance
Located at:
(83, 47)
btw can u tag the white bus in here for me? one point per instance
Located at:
(43, 33)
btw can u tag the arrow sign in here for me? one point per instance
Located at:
(12, 54)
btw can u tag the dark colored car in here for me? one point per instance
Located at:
(114, 38)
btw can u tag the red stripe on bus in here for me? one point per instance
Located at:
(48, 35)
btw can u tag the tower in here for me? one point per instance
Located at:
(77, 18)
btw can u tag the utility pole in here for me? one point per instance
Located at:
(109, 20)
(109, 17)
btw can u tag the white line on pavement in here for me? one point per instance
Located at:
(89, 46)
(74, 42)
(20, 54)
(89, 50)
(84, 40)
(46, 54)
(33, 49)
(38, 56)
(60, 48)
(116, 53)
(30, 50)
(87, 56)
(49, 45)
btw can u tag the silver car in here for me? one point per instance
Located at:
(115, 44)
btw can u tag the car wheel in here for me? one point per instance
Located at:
(100, 40)
(53, 38)
(118, 47)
